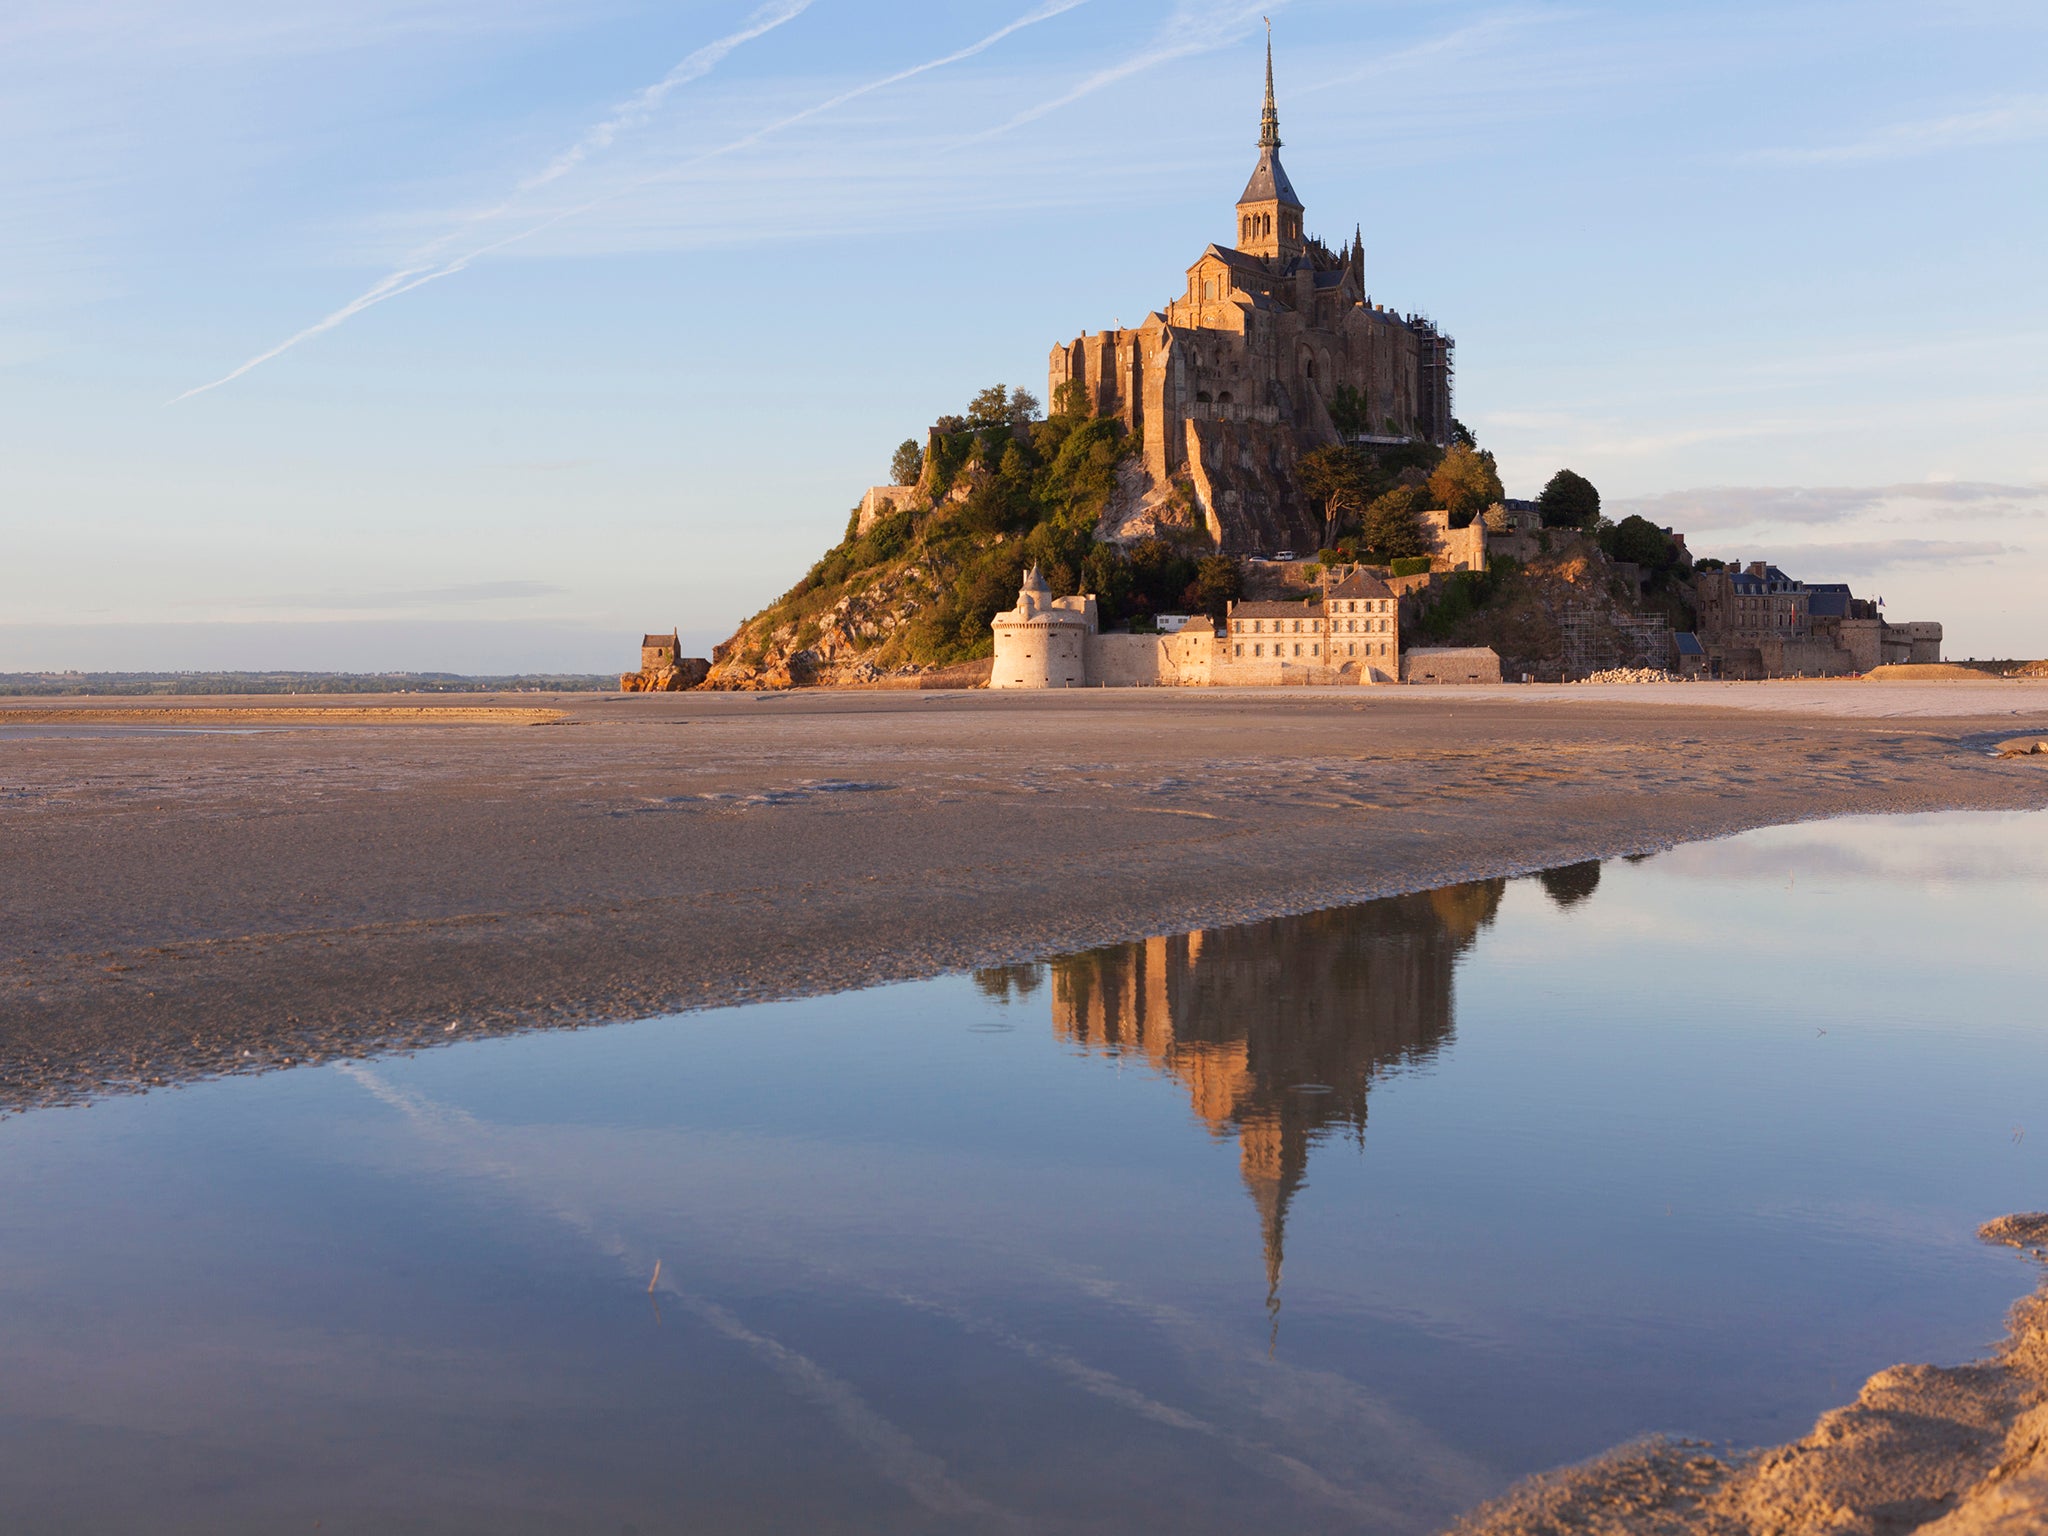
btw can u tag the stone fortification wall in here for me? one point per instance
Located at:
(1916, 644)
(883, 500)
(1818, 657)
(1185, 660)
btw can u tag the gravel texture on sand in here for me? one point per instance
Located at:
(336, 880)
(1958, 1451)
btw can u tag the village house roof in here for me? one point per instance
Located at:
(654, 642)
(1361, 584)
(1829, 599)
(1770, 579)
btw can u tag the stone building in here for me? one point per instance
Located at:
(1451, 664)
(1044, 641)
(1352, 634)
(1756, 622)
(664, 668)
(1237, 376)
(1348, 634)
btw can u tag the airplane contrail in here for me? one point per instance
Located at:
(424, 270)
(426, 266)
(1182, 37)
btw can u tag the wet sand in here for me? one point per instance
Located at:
(330, 880)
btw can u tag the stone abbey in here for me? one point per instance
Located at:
(1273, 348)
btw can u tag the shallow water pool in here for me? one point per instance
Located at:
(1337, 1223)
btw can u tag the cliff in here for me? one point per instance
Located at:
(1566, 611)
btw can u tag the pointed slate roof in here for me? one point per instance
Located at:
(1269, 183)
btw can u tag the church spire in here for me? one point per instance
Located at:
(1269, 123)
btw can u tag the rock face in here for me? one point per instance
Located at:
(679, 675)
(1567, 613)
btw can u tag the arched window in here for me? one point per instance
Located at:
(1224, 398)
(1203, 396)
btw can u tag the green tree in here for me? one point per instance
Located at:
(1466, 483)
(1393, 524)
(1569, 501)
(990, 408)
(1219, 582)
(1024, 408)
(1341, 481)
(1070, 401)
(1640, 542)
(908, 463)
(1349, 413)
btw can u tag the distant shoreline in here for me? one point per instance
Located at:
(276, 684)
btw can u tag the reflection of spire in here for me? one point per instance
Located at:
(1247, 1018)
(1269, 124)
(1273, 1162)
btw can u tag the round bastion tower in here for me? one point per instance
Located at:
(1043, 641)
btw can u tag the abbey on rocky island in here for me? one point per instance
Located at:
(1273, 349)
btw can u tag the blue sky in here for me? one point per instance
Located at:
(653, 289)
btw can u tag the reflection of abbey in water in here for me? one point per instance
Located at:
(1278, 1029)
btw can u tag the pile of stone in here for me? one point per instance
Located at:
(1630, 675)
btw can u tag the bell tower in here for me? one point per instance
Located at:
(1269, 214)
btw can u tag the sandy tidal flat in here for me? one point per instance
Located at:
(313, 880)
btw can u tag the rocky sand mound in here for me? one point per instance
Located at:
(1956, 1451)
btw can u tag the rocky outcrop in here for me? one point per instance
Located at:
(685, 673)
(856, 641)
(1955, 1451)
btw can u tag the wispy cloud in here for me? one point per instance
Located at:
(1730, 506)
(1473, 37)
(1867, 557)
(1191, 30)
(2015, 120)
(433, 264)
(642, 106)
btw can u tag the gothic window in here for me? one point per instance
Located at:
(1202, 395)
(1224, 397)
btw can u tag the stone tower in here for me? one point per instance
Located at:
(1269, 215)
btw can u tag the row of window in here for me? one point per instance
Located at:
(1308, 626)
(1350, 648)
